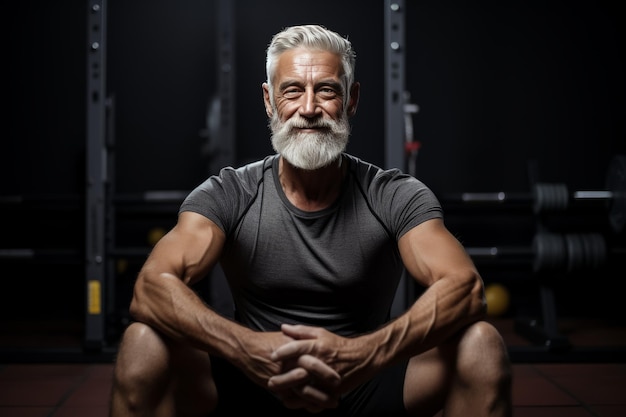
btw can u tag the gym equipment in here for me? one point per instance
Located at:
(121, 266)
(555, 197)
(498, 299)
(616, 182)
(155, 234)
(550, 255)
(568, 252)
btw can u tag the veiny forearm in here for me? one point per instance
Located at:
(166, 303)
(447, 306)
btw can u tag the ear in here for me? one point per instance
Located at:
(266, 100)
(353, 103)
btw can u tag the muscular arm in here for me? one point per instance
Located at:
(162, 295)
(454, 295)
(163, 299)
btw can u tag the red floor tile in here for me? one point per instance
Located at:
(574, 411)
(531, 389)
(609, 410)
(90, 393)
(597, 384)
(539, 390)
(34, 393)
(25, 411)
(86, 411)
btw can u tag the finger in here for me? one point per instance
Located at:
(308, 367)
(293, 378)
(317, 397)
(320, 371)
(290, 350)
(314, 398)
(299, 331)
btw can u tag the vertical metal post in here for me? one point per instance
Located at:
(221, 144)
(394, 116)
(226, 78)
(394, 84)
(95, 175)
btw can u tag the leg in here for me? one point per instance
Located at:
(157, 377)
(468, 375)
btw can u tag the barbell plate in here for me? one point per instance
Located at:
(616, 184)
(550, 252)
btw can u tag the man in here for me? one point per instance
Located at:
(313, 242)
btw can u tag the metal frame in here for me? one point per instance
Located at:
(220, 146)
(394, 84)
(395, 129)
(96, 176)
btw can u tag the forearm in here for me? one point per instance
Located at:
(173, 308)
(447, 306)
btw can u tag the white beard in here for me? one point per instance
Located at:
(306, 150)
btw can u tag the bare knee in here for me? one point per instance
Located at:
(140, 367)
(480, 344)
(157, 376)
(482, 356)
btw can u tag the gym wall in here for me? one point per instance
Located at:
(507, 93)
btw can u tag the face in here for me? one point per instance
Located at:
(309, 124)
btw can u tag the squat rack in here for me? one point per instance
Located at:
(100, 249)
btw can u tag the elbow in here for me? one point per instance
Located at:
(478, 298)
(476, 307)
(137, 309)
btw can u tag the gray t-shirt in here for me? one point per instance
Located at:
(337, 268)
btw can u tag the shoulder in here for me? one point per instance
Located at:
(228, 192)
(374, 178)
(245, 178)
(249, 174)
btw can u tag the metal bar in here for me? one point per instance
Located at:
(394, 84)
(95, 175)
(225, 152)
(394, 117)
(44, 255)
(593, 195)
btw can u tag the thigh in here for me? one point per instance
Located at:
(193, 386)
(429, 377)
(477, 349)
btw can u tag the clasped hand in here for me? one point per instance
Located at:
(307, 379)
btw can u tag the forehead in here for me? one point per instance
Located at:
(302, 62)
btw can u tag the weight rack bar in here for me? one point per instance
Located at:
(567, 252)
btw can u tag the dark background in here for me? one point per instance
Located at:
(509, 93)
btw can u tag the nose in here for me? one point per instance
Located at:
(309, 105)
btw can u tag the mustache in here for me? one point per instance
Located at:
(302, 123)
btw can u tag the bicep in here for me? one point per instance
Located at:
(429, 252)
(190, 249)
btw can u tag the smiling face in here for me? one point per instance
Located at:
(309, 123)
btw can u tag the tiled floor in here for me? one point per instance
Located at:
(539, 390)
(574, 386)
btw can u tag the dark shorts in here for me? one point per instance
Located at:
(382, 396)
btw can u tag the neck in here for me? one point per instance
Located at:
(311, 190)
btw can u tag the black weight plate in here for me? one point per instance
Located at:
(616, 183)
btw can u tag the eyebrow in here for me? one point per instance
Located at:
(324, 82)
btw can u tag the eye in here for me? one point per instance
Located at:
(327, 92)
(292, 93)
